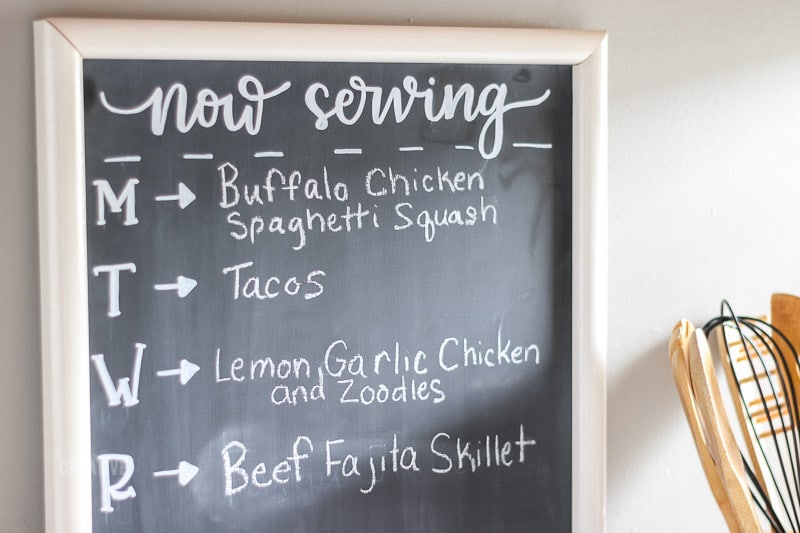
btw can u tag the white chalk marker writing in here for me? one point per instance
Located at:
(126, 199)
(198, 156)
(185, 371)
(348, 151)
(540, 146)
(182, 285)
(123, 159)
(184, 197)
(261, 476)
(185, 473)
(113, 283)
(349, 103)
(207, 107)
(115, 491)
(123, 393)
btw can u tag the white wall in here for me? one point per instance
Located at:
(704, 183)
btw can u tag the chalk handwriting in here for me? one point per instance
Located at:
(237, 478)
(428, 220)
(206, 109)
(270, 287)
(349, 104)
(379, 182)
(457, 353)
(278, 186)
(468, 456)
(365, 467)
(113, 284)
(126, 199)
(119, 490)
(127, 390)
(391, 374)
(295, 385)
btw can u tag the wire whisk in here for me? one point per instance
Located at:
(761, 369)
(752, 467)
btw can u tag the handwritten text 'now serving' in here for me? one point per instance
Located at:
(347, 105)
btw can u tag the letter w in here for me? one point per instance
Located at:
(122, 393)
(105, 194)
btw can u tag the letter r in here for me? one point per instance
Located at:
(115, 491)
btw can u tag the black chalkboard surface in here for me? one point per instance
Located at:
(321, 278)
(329, 297)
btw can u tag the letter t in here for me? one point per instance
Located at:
(113, 284)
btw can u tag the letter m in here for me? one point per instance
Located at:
(126, 199)
(123, 392)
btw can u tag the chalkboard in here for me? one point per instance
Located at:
(329, 295)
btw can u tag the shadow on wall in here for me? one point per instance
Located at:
(645, 405)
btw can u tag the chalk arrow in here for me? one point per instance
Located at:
(183, 285)
(184, 197)
(186, 371)
(185, 473)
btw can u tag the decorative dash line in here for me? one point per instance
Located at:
(198, 156)
(348, 151)
(123, 159)
(268, 154)
(464, 147)
(541, 146)
(411, 149)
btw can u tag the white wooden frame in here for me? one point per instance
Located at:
(62, 44)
